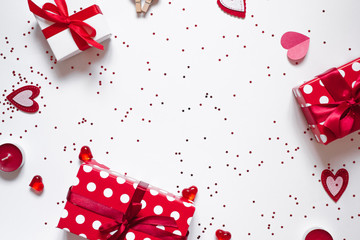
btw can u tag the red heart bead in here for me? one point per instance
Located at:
(37, 183)
(318, 234)
(85, 154)
(190, 193)
(223, 235)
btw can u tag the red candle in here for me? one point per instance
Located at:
(11, 157)
(318, 234)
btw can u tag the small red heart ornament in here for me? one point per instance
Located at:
(223, 235)
(85, 154)
(190, 193)
(318, 234)
(297, 45)
(335, 185)
(23, 98)
(37, 183)
(236, 8)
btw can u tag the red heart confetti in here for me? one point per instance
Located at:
(190, 193)
(236, 8)
(85, 154)
(318, 234)
(37, 183)
(297, 45)
(335, 185)
(223, 235)
(23, 98)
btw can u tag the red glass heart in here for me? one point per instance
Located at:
(85, 154)
(318, 234)
(37, 183)
(223, 235)
(190, 193)
(11, 157)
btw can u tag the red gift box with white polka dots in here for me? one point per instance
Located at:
(314, 92)
(109, 188)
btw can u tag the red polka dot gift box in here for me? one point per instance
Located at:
(70, 26)
(330, 102)
(103, 204)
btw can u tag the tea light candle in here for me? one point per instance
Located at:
(11, 158)
(318, 234)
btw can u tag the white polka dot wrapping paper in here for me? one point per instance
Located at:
(111, 189)
(315, 92)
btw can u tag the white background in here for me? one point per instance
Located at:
(225, 199)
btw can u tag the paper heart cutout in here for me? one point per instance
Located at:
(222, 235)
(23, 98)
(236, 8)
(297, 45)
(335, 185)
(318, 234)
(190, 193)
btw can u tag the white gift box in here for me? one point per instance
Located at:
(62, 44)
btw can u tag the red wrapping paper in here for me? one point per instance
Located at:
(114, 190)
(314, 92)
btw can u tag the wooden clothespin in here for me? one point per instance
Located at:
(146, 5)
(138, 6)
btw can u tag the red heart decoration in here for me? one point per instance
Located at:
(297, 45)
(335, 185)
(223, 235)
(23, 98)
(236, 8)
(37, 183)
(190, 193)
(318, 234)
(85, 154)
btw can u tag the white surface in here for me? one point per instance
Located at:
(162, 142)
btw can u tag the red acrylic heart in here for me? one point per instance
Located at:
(318, 234)
(190, 193)
(335, 185)
(37, 183)
(85, 154)
(23, 98)
(223, 235)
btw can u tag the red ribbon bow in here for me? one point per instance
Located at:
(341, 117)
(123, 222)
(81, 32)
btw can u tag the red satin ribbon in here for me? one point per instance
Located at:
(343, 116)
(81, 32)
(123, 222)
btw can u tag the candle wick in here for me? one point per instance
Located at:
(7, 157)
